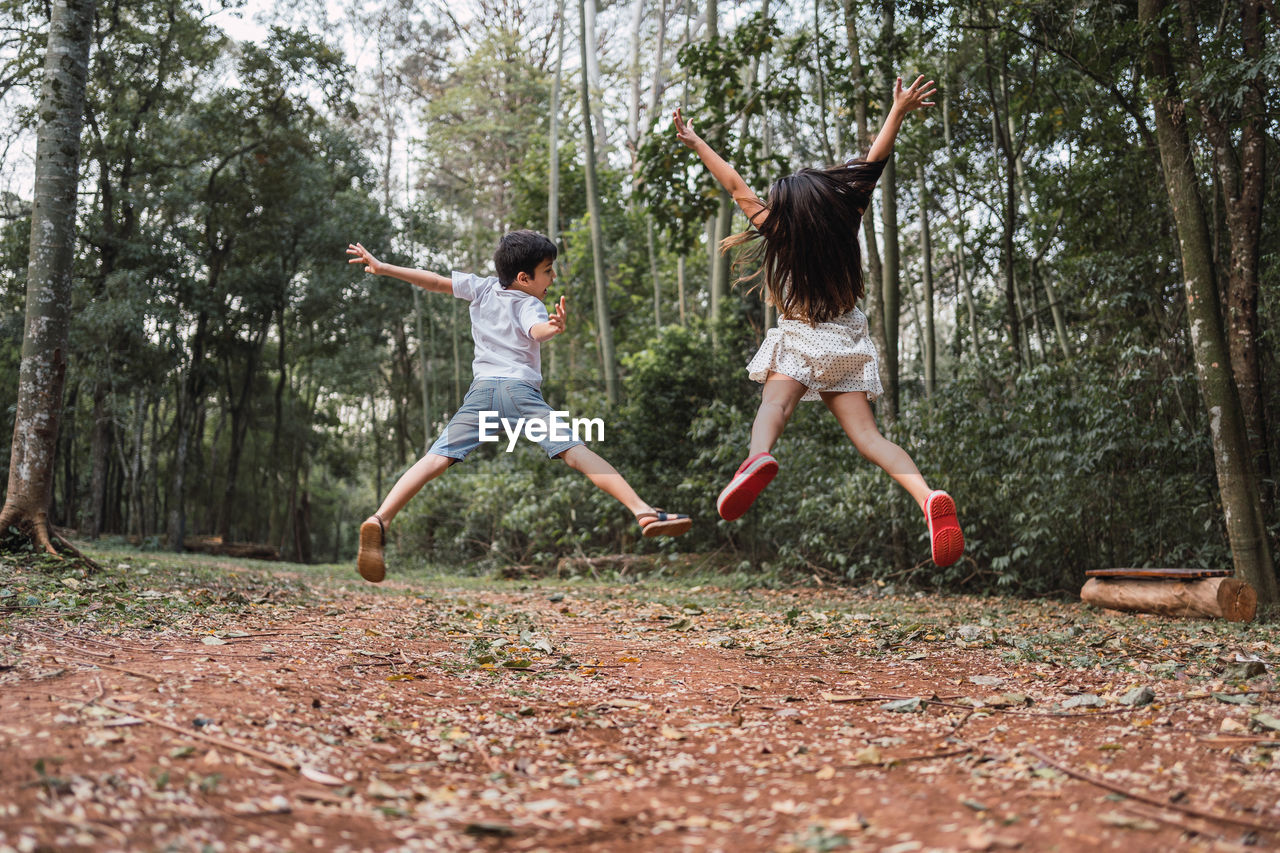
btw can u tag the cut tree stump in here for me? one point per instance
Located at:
(1172, 592)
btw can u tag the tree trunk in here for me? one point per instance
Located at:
(553, 169)
(591, 66)
(633, 71)
(423, 372)
(241, 413)
(52, 249)
(597, 236)
(891, 284)
(136, 522)
(824, 132)
(720, 260)
(958, 258)
(1241, 176)
(653, 271)
(99, 442)
(966, 293)
(177, 523)
(659, 64)
(680, 288)
(1244, 218)
(872, 302)
(719, 226)
(155, 506)
(926, 279)
(1239, 490)
(1002, 148)
(553, 191)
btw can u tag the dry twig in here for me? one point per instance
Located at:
(1152, 801)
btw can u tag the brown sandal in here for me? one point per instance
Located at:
(660, 523)
(370, 562)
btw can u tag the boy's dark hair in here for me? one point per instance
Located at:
(808, 252)
(521, 252)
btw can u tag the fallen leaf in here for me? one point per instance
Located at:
(319, 776)
(382, 791)
(903, 706)
(1138, 697)
(869, 755)
(837, 697)
(1266, 721)
(1126, 821)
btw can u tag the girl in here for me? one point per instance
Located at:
(812, 269)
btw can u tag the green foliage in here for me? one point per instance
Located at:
(673, 185)
(1065, 468)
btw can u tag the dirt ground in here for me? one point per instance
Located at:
(288, 712)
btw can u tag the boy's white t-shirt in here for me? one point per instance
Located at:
(500, 324)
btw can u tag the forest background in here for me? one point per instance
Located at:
(1029, 257)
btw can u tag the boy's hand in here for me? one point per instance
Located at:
(362, 256)
(555, 324)
(914, 97)
(684, 130)
(557, 319)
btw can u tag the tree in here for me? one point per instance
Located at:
(49, 272)
(1228, 89)
(890, 284)
(1240, 497)
(604, 327)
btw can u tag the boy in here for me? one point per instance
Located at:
(508, 323)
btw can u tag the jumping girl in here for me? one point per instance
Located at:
(812, 271)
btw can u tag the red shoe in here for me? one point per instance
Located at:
(946, 540)
(754, 474)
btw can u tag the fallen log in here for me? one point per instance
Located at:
(214, 546)
(1223, 598)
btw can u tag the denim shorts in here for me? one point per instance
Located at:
(511, 399)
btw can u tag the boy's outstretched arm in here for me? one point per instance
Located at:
(727, 176)
(419, 278)
(904, 101)
(555, 324)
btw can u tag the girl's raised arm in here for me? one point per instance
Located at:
(904, 101)
(727, 176)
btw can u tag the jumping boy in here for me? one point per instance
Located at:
(509, 324)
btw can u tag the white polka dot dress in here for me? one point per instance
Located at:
(838, 355)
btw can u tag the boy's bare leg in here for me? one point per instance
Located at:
(411, 482)
(371, 558)
(854, 414)
(778, 401)
(605, 477)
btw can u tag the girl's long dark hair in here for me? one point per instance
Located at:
(808, 251)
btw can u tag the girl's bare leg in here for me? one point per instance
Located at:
(423, 471)
(859, 423)
(605, 477)
(778, 401)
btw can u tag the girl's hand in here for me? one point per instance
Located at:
(684, 130)
(362, 256)
(914, 97)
